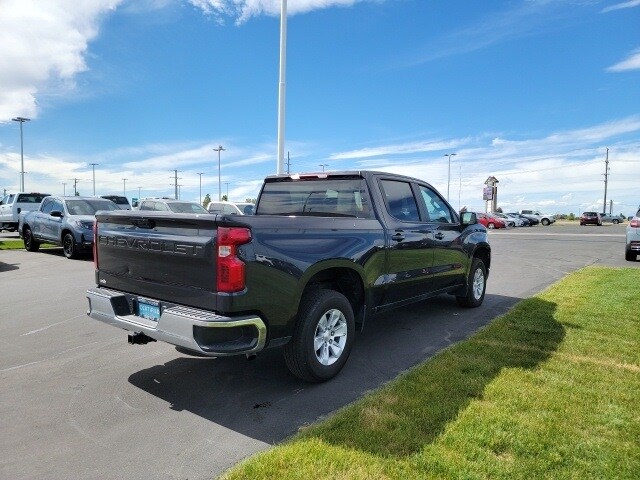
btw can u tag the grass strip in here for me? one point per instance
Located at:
(549, 390)
(11, 244)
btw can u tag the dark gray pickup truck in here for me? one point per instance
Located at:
(323, 253)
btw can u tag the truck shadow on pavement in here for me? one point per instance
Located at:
(262, 400)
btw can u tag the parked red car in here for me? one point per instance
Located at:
(590, 218)
(490, 221)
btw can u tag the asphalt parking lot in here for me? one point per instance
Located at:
(78, 402)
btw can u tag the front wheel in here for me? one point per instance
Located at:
(477, 285)
(30, 244)
(322, 338)
(545, 222)
(616, 221)
(630, 256)
(491, 226)
(69, 246)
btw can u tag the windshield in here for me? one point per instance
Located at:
(186, 207)
(88, 207)
(321, 197)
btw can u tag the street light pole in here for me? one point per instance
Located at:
(93, 166)
(64, 189)
(219, 149)
(200, 174)
(324, 165)
(449, 177)
(21, 120)
(227, 184)
(282, 85)
(124, 186)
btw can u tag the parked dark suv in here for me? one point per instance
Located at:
(590, 218)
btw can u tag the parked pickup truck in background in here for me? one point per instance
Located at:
(15, 203)
(544, 218)
(323, 253)
(65, 221)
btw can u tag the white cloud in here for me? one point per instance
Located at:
(620, 6)
(43, 43)
(405, 148)
(632, 62)
(242, 10)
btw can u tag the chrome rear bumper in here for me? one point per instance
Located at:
(201, 331)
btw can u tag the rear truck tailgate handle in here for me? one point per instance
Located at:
(143, 222)
(398, 236)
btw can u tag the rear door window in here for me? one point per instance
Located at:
(399, 199)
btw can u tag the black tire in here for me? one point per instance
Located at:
(630, 256)
(615, 221)
(475, 292)
(30, 244)
(69, 247)
(545, 222)
(300, 353)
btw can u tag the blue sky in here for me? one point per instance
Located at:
(532, 92)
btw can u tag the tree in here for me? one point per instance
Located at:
(224, 198)
(206, 201)
(251, 200)
(499, 210)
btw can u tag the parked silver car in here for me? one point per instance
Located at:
(632, 249)
(64, 221)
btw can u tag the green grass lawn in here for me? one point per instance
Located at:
(11, 244)
(549, 390)
(18, 244)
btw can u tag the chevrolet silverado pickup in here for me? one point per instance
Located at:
(323, 253)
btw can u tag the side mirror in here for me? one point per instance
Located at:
(56, 213)
(468, 218)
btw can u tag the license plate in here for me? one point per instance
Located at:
(148, 310)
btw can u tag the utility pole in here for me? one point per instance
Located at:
(288, 164)
(219, 149)
(75, 189)
(227, 184)
(124, 186)
(21, 120)
(324, 165)
(139, 195)
(606, 180)
(64, 189)
(93, 166)
(459, 186)
(175, 183)
(200, 173)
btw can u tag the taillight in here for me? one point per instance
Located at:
(635, 222)
(95, 244)
(230, 268)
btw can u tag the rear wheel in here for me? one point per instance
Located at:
(630, 256)
(30, 244)
(545, 222)
(616, 221)
(69, 246)
(322, 338)
(477, 285)
(491, 226)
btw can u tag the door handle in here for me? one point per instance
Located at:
(439, 235)
(398, 236)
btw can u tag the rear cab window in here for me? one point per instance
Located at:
(33, 198)
(400, 201)
(313, 196)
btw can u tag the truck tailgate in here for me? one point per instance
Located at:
(158, 255)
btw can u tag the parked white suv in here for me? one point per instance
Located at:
(230, 208)
(544, 218)
(14, 203)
